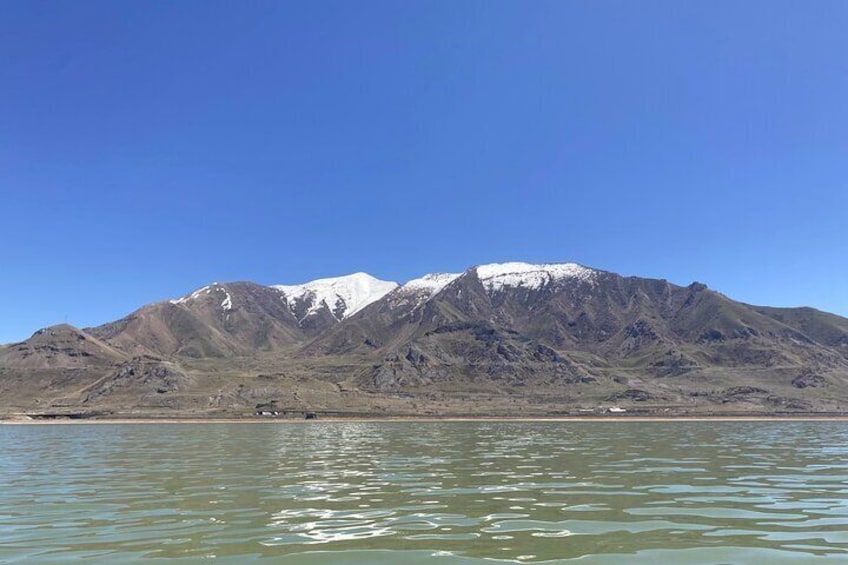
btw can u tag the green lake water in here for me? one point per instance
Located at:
(425, 493)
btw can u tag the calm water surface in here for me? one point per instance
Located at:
(425, 493)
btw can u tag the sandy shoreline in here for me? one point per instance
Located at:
(563, 419)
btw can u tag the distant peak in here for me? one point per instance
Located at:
(344, 296)
(496, 276)
(218, 289)
(57, 329)
(431, 283)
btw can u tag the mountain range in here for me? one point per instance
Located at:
(509, 339)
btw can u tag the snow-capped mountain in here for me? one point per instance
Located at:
(418, 291)
(344, 296)
(497, 276)
(341, 296)
(537, 333)
(429, 284)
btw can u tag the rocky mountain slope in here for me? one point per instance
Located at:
(501, 339)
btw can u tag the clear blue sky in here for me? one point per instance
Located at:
(148, 148)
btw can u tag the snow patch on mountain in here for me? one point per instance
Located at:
(226, 303)
(418, 291)
(497, 276)
(343, 296)
(193, 296)
(430, 284)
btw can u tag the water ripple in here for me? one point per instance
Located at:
(438, 493)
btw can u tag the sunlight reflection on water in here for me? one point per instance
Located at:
(449, 492)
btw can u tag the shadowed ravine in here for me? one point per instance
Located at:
(440, 493)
